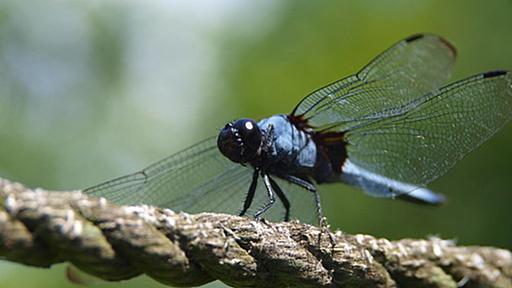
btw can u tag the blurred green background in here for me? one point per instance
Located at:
(90, 90)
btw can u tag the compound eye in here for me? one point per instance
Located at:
(240, 140)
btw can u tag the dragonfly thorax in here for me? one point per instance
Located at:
(240, 140)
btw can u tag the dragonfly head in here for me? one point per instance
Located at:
(240, 140)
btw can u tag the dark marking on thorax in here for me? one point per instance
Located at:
(333, 146)
(331, 150)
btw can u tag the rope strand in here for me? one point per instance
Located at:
(41, 228)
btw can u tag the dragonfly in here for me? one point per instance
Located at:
(389, 130)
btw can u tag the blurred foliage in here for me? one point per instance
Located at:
(90, 90)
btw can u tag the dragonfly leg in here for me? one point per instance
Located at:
(310, 187)
(271, 197)
(282, 197)
(250, 194)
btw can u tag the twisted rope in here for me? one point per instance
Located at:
(41, 228)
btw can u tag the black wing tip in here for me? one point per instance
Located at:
(414, 37)
(495, 73)
(447, 43)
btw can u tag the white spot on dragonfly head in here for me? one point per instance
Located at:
(249, 125)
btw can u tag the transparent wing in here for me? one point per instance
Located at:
(162, 181)
(406, 71)
(435, 131)
(198, 179)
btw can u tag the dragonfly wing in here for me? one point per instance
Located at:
(177, 181)
(199, 179)
(406, 71)
(430, 134)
